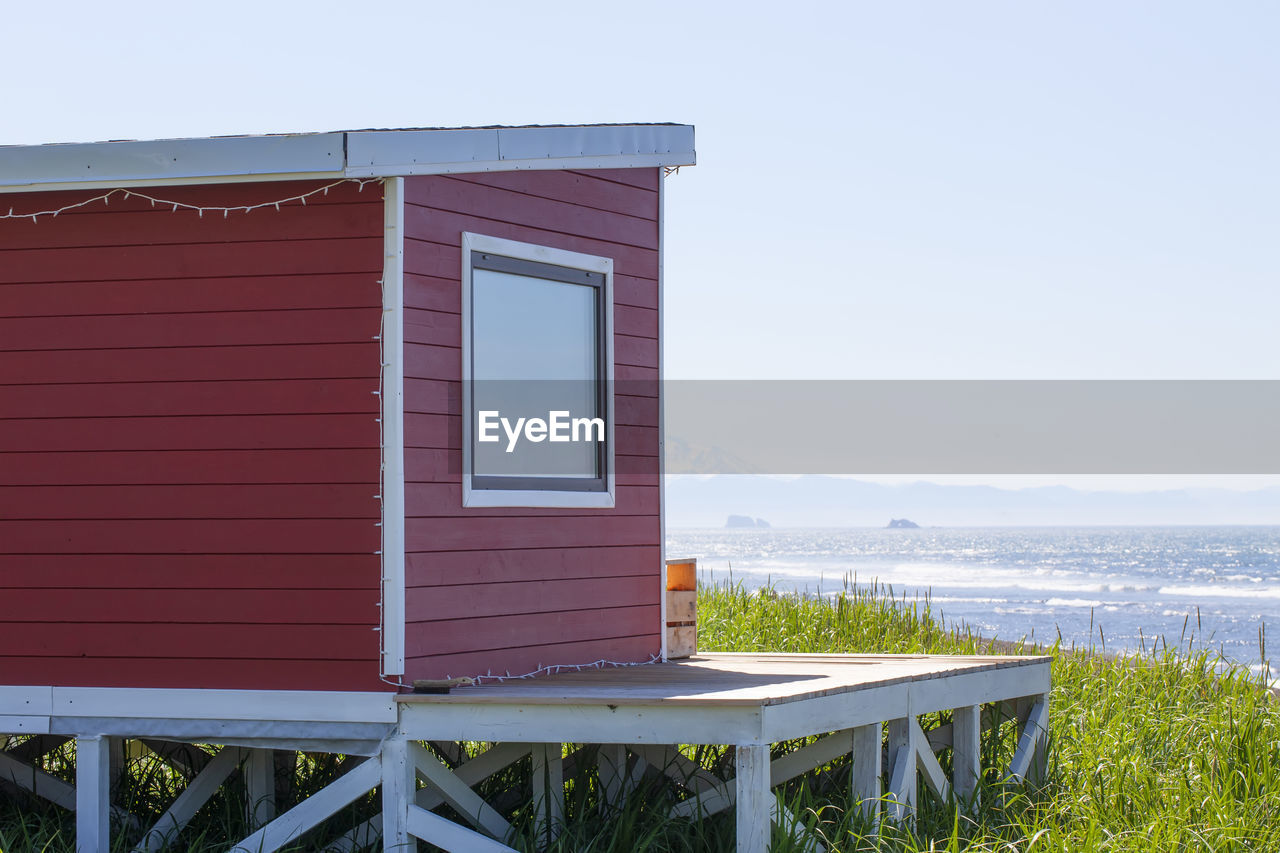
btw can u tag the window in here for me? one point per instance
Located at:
(537, 355)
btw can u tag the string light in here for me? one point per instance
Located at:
(200, 209)
(556, 668)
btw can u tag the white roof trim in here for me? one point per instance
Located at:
(352, 154)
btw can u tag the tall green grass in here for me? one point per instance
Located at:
(1167, 750)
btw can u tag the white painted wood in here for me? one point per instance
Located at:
(448, 835)
(93, 795)
(458, 794)
(1027, 764)
(313, 810)
(611, 769)
(865, 778)
(260, 786)
(267, 705)
(710, 800)
(196, 794)
(966, 753)
(484, 765)
(832, 713)
(789, 720)
(583, 723)
(392, 401)
(548, 791)
(399, 786)
(24, 725)
(927, 763)
(26, 702)
(901, 795)
(633, 161)
(174, 162)
(672, 763)
(810, 757)
(662, 423)
(754, 797)
(62, 186)
(37, 782)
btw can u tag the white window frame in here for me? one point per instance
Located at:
(549, 498)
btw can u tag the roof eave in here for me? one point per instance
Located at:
(346, 154)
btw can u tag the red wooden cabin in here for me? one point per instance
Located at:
(233, 379)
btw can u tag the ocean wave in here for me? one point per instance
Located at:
(1220, 591)
(1073, 602)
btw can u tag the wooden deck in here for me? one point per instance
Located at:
(864, 706)
(726, 679)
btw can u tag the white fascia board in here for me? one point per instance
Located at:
(164, 162)
(345, 154)
(163, 703)
(440, 152)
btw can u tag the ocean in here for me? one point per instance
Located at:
(1114, 588)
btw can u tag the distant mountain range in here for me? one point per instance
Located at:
(816, 501)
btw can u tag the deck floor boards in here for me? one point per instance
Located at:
(723, 679)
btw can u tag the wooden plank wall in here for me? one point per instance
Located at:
(189, 449)
(509, 590)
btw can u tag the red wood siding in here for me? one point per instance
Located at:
(510, 590)
(189, 445)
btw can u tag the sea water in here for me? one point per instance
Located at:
(1117, 589)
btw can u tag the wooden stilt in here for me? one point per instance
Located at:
(902, 763)
(611, 768)
(93, 795)
(966, 753)
(260, 787)
(399, 781)
(548, 791)
(865, 778)
(754, 798)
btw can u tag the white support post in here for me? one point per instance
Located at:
(399, 782)
(902, 779)
(611, 769)
(93, 795)
(548, 791)
(865, 780)
(966, 754)
(260, 787)
(754, 797)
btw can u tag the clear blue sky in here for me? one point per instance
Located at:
(888, 190)
(932, 190)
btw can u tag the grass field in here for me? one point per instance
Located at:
(1161, 751)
